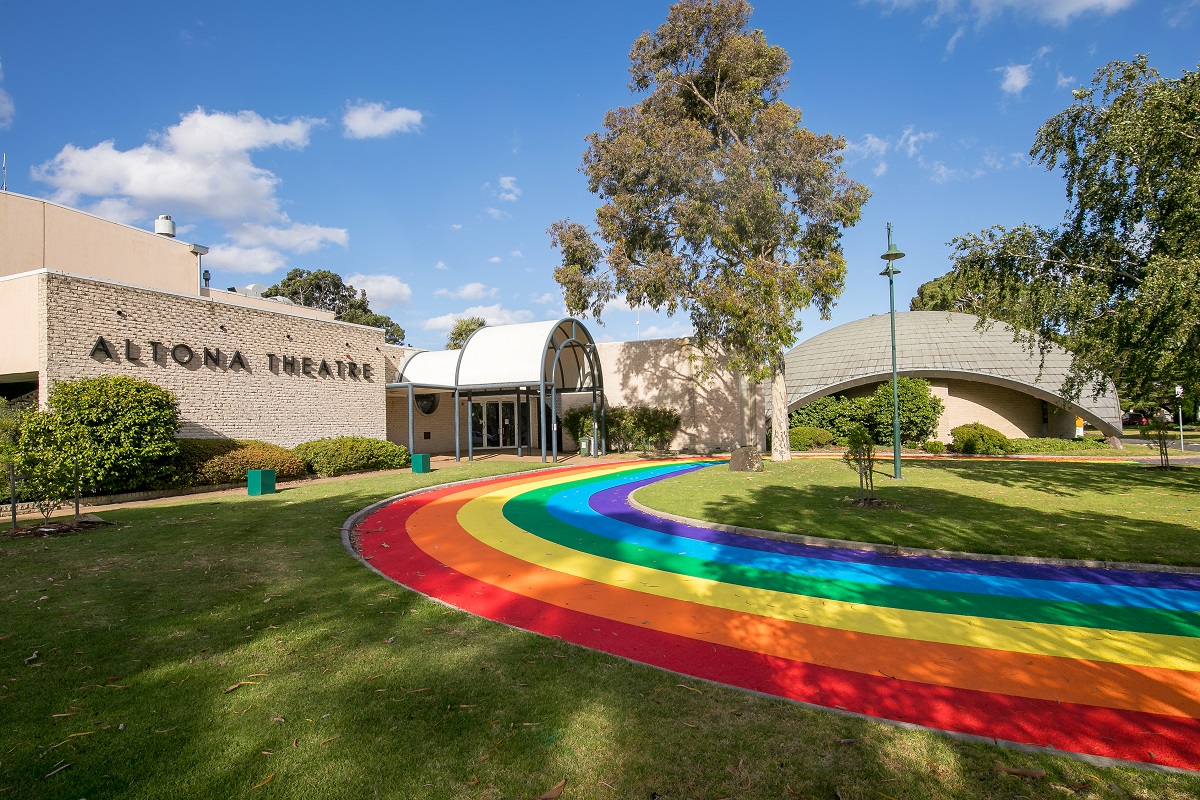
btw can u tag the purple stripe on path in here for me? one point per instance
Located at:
(614, 503)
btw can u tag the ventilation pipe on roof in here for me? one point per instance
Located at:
(165, 226)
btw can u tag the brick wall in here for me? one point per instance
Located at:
(279, 378)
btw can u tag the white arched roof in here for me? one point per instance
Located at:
(936, 344)
(525, 354)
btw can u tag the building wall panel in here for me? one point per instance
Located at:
(258, 397)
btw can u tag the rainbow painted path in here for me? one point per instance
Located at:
(1097, 662)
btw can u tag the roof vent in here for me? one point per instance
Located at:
(164, 226)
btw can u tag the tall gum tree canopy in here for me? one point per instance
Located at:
(324, 289)
(717, 204)
(1118, 283)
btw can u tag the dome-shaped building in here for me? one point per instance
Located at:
(980, 375)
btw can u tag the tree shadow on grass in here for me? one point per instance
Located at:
(1066, 478)
(942, 519)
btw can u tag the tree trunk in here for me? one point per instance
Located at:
(780, 442)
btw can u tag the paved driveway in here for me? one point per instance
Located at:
(1097, 662)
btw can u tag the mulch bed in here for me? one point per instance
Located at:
(55, 527)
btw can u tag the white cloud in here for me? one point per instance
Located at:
(994, 161)
(456, 226)
(383, 291)
(440, 265)
(259, 260)
(880, 169)
(869, 146)
(469, 291)
(1016, 78)
(496, 213)
(1065, 81)
(953, 42)
(7, 108)
(494, 260)
(296, 237)
(516, 254)
(509, 191)
(200, 166)
(911, 140)
(119, 209)
(493, 315)
(982, 11)
(376, 120)
(547, 299)
(675, 330)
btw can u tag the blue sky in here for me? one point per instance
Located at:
(421, 150)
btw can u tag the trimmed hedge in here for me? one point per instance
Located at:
(344, 454)
(208, 462)
(934, 446)
(805, 438)
(1041, 445)
(978, 439)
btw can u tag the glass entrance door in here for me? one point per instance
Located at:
(495, 424)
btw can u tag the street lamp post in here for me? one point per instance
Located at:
(890, 257)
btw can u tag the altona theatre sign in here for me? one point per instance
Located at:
(213, 357)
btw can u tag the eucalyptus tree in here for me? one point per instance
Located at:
(717, 203)
(1118, 282)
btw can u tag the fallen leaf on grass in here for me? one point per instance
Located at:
(238, 685)
(85, 733)
(474, 780)
(555, 792)
(330, 739)
(1024, 773)
(56, 771)
(689, 688)
(264, 782)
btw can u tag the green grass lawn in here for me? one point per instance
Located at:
(121, 647)
(1110, 512)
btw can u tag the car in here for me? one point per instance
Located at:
(1134, 418)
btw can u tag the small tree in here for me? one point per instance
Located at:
(1159, 432)
(48, 459)
(860, 456)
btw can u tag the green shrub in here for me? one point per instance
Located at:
(919, 413)
(805, 438)
(578, 422)
(934, 446)
(655, 425)
(1042, 445)
(208, 462)
(351, 454)
(121, 432)
(838, 415)
(639, 427)
(978, 439)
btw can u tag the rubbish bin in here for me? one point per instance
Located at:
(260, 482)
(420, 463)
(585, 447)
